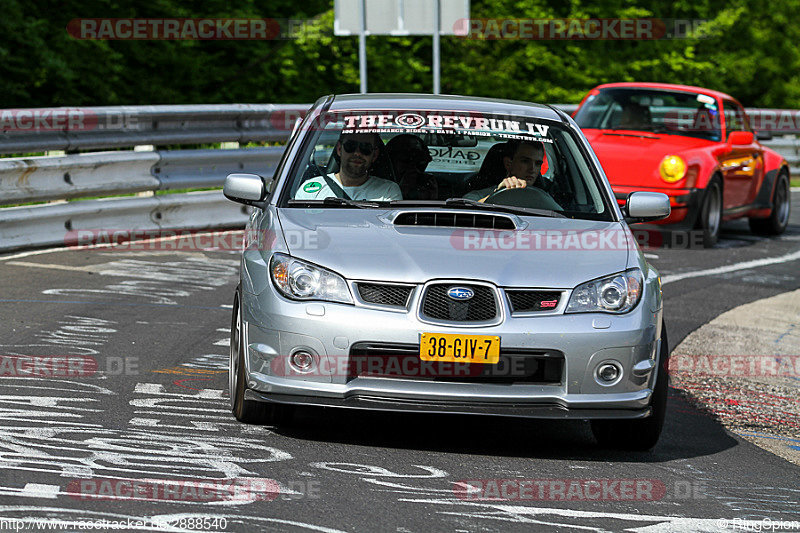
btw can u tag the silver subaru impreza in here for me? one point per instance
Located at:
(445, 254)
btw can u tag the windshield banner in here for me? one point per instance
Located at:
(446, 124)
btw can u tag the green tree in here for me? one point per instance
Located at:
(742, 48)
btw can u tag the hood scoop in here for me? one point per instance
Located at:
(450, 219)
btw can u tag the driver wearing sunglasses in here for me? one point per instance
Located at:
(357, 152)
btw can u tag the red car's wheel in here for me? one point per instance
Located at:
(711, 213)
(776, 223)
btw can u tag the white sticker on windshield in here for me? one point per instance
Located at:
(426, 122)
(704, 98)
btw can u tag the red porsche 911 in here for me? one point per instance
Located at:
(693, 144)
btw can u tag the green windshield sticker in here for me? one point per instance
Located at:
(312, 187)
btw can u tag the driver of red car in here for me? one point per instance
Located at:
(523, 168)
(635, 117)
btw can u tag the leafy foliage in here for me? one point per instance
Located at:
(743, 48)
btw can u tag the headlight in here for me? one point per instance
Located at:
(672, 169)
(615, 294)
(299, 280)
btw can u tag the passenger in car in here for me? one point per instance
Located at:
(635, 117)
(410, 158)
(357, 152)
(523, 162)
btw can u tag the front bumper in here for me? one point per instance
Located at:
(275, 328)
(517, 410)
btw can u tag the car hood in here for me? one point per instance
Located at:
(546, 252)
(630, 157)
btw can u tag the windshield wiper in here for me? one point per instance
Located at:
(528, 211)
(333, 201)
(664, 129)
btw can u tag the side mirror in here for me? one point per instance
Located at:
(248, 189)
(646, 207)
(764, 135)
(739, 138)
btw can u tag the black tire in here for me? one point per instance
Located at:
(710, 218)
(776, 223)
(642, 434)
(247, 411)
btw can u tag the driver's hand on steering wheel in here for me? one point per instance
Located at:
(512, 182)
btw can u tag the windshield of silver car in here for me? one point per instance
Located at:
(378, 158)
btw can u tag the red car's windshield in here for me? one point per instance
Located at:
(651, 110)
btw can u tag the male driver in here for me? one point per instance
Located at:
(635, 117)
(357, 152)
(523, 164)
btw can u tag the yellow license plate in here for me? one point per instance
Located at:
(448, 347)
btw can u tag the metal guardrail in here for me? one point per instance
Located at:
(183, 169)
(37, 179)
(59, 224)
(80, 175)
(789, 148)
(93, 128)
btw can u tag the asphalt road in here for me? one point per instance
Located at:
(156, 324)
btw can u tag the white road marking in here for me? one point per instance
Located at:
(87, 268)
(523, 514)
(731, 268)
(35, 252)
(155, 424)
(114, 245)
(149, 388)
(40, 490)
(211, 394)
(146, 422)
(32, 490)
(379, 471)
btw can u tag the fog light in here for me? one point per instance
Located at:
(302, 361)
(608, 373)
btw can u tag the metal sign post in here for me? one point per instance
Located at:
(362, 47)
(437, 26)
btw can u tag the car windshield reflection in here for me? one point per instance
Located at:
(371, 159)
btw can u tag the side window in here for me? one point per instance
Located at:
(734, 117)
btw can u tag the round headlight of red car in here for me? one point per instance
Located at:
(672, 169)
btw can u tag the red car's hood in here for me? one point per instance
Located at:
(628, 157)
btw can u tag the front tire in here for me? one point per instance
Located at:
(247, 411)
(711, 213)
(776, 223)
(642, 434)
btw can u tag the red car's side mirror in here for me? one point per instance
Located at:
(737, 138)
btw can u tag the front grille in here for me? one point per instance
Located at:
(382, 294)
(402, 361)
(438, 306)
(526, 300)
(454, 220)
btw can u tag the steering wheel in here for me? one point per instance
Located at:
(532, 197)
